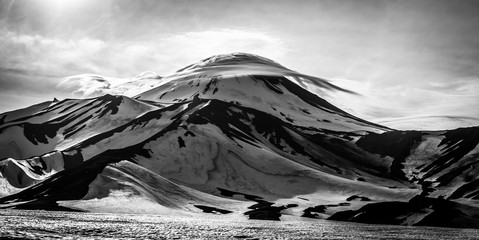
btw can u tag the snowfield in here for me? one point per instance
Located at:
(43, 224)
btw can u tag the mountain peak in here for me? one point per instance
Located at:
(237, 58)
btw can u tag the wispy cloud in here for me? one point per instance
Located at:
(34, 64)
(92, 85)
(53, 58)
(87, 85)
(454, 102)
(37, 53)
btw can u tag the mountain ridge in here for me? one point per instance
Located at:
(204, 131)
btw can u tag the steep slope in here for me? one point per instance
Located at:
(235, 134)
(254, 82)
(62, 124)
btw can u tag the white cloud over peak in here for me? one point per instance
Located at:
(31, 57)
(92, 85)
(88, 85)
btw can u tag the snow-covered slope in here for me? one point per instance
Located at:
(258, 83)
(233, 134)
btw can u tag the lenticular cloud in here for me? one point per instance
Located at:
(93, 85)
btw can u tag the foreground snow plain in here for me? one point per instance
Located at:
(34, 224)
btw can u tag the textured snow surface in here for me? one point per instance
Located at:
(41, 224)
(234, 135)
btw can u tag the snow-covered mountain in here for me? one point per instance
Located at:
(234, 134)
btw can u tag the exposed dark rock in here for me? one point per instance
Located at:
(181, 143)
(456, 144)
(262, 210)
(213, 81)
(305, 111)
(261, 204)
(189, 133)
(70, 184)
(49, 206)
(208, 209)
(467, 190)
(72, 159)
(265, 211)
(228, 193)
(395, 144)
(245, 237)
(357, 197)
(40, 133)
(312, 212)
(439, 212)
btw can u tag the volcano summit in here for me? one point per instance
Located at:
(239, 135)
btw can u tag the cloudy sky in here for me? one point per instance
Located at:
(407, 58)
